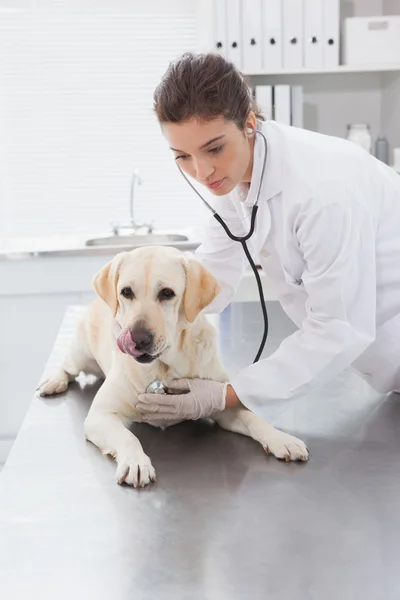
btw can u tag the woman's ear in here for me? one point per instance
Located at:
(251, 123)
(106, 280)
(201, 288)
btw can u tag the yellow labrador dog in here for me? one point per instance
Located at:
(147, 325)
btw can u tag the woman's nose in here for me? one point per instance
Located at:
(203, 170)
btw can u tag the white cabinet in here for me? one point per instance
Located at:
(34, 296)
(28, 324)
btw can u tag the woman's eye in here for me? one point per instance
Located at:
(166, 294)
(127, 293)
(181, 157)
(216, 150)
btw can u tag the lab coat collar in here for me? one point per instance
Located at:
(272, 183)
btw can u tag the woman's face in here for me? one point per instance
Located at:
(216, 153)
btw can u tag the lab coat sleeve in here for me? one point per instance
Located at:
(338, 245)
(223, 257)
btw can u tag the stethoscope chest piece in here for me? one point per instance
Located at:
(157, 387)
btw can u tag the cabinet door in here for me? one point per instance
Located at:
(28, 328)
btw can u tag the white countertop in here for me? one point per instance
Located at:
(19, 248)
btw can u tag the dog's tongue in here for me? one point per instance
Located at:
(126, 343)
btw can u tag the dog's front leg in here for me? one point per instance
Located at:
(280, 444)
(105, 426)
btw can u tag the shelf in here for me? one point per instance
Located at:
(335, 71)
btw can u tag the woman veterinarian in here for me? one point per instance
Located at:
(327, 234)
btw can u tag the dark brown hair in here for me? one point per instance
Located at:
(204, 86)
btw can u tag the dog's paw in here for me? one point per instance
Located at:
(136, 470)
(56, 384)
(286, 447)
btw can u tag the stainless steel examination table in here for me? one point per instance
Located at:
(223, 521)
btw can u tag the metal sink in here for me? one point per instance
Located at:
(135, 240)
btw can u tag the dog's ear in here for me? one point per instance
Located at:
(106, 280)
(201, 288)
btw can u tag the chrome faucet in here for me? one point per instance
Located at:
(116, 227)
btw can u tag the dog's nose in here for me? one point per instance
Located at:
(142, 337)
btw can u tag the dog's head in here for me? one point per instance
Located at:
(153, 292)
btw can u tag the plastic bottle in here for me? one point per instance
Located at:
(382, 149)
(360, 134)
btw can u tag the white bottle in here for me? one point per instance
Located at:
(360, 134)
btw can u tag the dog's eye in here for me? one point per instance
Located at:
(166, 294)
(127, 293)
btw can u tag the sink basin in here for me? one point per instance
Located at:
(148, 239)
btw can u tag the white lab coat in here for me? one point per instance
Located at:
(328, 237)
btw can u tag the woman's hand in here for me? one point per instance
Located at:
(203, 398)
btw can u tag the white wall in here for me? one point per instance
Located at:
(391, 7)
(76, 90)
(76, 82)
(391, 110)
(391, 93)
(360, 8)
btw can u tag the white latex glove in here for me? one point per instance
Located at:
(204, 398)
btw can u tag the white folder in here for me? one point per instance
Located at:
(220, 27)
(313, 34)
(234, 17)
(296, 101)
(263, 94)
(282, 104)
(252, 35)
(292, 21)
(272, 35)
(331, 26)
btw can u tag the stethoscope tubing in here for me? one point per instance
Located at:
(243, 239)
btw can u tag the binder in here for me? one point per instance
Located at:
(252, 35)
(292, 21)
(234, 47)
(313, 34)
(331, 29)
(282, 112)
(296, 102)
(263, 95)
(220, 27)
(272, 35)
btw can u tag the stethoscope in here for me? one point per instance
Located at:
(157, 387)
(243, 239)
